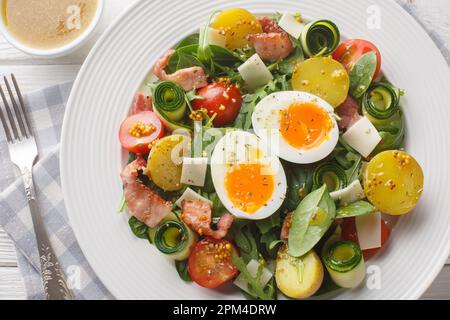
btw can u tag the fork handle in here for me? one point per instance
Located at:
(53, 278)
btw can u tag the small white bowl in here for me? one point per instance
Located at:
(54, 52)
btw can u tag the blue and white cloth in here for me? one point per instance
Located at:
(46, 112)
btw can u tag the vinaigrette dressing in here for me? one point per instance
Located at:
(48, 24)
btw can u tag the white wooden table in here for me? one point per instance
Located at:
(35, 74)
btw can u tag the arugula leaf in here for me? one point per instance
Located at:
(362, 73)
(244, 119)
(355, 209)
(353, 172)
(257, 291)
(138, 228)
(310, 221)
(182, 269)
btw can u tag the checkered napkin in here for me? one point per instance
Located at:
(46, 111)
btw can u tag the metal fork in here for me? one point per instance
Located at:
(23, 153)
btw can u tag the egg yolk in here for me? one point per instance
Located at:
(305, 125)
(247, 188)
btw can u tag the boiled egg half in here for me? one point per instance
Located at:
(249, 181)
(299, 127)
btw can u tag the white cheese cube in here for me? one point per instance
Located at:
(215, 37)
(193, 171)
(252, 268)
(190, 194)
(353, 192)
(289, 24)
(362, 136)
(254, 72)
(368, 228)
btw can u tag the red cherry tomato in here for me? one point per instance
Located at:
(136, 138)
(222, 99)
(349, 233)
(349, 52)
(210, 264)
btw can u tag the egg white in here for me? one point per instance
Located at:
(233, 148)
(266, 123)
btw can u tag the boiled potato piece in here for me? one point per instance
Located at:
(165, 162)
(323, 77)
(237, 24)
(298, 277)
(393, 182)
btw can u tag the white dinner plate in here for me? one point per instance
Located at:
(91, 156)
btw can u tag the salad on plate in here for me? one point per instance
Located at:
(267, 153)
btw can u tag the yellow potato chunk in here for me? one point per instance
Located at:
(323, 77)
(165, 162)
(236, 25)
(298, 278)
(393, 182)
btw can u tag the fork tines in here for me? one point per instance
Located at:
(15, 124)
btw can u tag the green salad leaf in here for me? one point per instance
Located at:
(310, 221)
(257, 291)
(138, 228)
(355, 209)
(392, 134)
(300, 180)
(182, 269)
(362, 73)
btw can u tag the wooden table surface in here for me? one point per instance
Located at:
(34, 74)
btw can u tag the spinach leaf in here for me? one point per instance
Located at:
(187, 55)
(270, 242)
(182, 269)
(310, 221)
(187, 61)
(191, 39)
(246, 243)
(274, 221)
(392, 134)
(354, 209)
(138, 228)
(362, 73)
(224, 57)
(256, 290)
(299, 179)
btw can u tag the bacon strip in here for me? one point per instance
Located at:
(188, 78)
(142, 202)
(141, 103)
(197, 215)
(274, 43)
(348, 111)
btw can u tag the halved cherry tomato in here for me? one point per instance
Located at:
(349, 52)
(210, 264)
(349, 233)
(136, 138)
(222, 99)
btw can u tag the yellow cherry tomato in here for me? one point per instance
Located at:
(236, 25)
(393, 182)
(323, 77)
